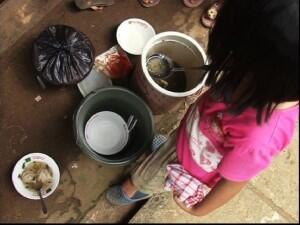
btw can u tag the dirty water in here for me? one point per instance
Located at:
(175, 83)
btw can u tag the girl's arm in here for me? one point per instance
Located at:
(217, 197)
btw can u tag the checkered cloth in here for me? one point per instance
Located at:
(189, 189)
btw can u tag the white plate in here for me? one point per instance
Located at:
(22, 163)
(133, 34)
(93, 81)
(106, 133)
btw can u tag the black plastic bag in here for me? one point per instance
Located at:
(62, 55)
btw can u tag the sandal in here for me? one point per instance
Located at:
(93, 4)
(192, 3)
(208, 19)
(116, 196)
(158, 141)
(149, 3)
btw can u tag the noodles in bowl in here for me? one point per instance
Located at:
(33, 172)
(37, 172)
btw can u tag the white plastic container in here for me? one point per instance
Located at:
(186, 52)
(93, 81)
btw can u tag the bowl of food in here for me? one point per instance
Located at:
(32, 169)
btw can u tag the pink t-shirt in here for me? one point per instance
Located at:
(212, 143)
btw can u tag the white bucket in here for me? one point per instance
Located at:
(186, 52)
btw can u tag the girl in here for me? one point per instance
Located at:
(245, 119)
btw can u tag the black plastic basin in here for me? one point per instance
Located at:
(124, 103)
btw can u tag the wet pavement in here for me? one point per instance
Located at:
(45, 126)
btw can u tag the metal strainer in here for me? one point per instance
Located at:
(161, 66)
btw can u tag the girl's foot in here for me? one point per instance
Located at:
(125, 194)
(208, 18)
(192, 3)
(149, 3)
(128, 188)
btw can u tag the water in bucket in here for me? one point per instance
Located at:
(159, 67)
(181, 56)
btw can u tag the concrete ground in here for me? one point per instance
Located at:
(46, 126)
(272, 197)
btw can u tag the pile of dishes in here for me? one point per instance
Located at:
(107, 133)
(113, 126)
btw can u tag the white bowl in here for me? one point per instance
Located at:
(22, 163)
(93, 81)
(133, 34)
(106, 133)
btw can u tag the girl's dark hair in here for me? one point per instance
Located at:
(258, 40)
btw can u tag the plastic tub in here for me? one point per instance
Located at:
(124, 103)
(186, 52)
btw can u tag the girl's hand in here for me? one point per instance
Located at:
(182, 205)
(218, 196)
